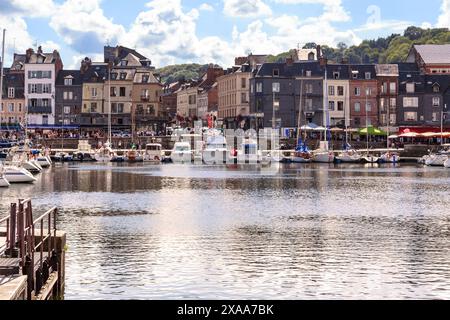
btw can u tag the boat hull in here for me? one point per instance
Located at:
(371, 159)
(181, 157)
(323, 157)
(436, 160)
(385, 158)
(216, 156)
(18, 175)
(447, 163)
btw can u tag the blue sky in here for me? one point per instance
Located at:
(179, 31)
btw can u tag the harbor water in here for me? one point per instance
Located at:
(215, 232)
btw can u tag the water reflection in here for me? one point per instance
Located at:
(312, 231)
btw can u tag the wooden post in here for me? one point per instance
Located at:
(12, 231)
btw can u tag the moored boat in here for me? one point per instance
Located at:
(390, 157)
(447, 163)
(153, 153)
(3, 181)
(181, 153)
(14, 174)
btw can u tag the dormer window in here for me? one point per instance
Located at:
(355, 74)
(68, 81)
(436, 88)
(123, 76)
(368, 76)
(40, 59)
(276, 72)
(123, 63)
(336, 75)
(11, 93)
(145, 78)
(113, 76)
(308, 73)
(410, 87)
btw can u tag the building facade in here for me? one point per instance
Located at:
(94, 101)
(363, 96)
(69, 98)
(12, 109)
(387, 78)
(41, 70)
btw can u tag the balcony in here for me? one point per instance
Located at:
(40, 109)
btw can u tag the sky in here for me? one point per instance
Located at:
(205, 31)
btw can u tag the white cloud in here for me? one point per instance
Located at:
(28, 8)
(206, 7)
(83, 25)
(333, 10)
(246, 8)
(444, 18)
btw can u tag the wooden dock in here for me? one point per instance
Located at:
(32, 258)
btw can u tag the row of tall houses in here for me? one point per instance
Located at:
(38, 91)
(415, 93)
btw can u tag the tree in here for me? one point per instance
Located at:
(310, 45)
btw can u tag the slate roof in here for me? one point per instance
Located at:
(434, 53)
(77, 79)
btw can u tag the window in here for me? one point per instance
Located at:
(369, 107)
(192, 99)
(411, 102)
(145, 78)
(20, 108)
(252, 88)
(47, 88)
(66, 110)
(144, 93)
(120, 107)
(276, 72)
(384, 87)
(436, 88)
(45, 120)
(357, 91)
(124, 63)
(68, 82)
(113, 76)
(393, 119)
(46, 74)
(11, 92)
(336, 75)
(11, 107)
(357, 107)
(122, 91)
(368, 76)
(123, 75)
(331, 90)
(309, 88)
(151, 109)
(276, 104)
(340, 91)
(94, 92)
(331, 105)
(45, 102)
(276, 87)
(355, 75)
(436, 102)
(369, 121)
(308, 73)
(410, 87)
(244, 97)
(435, 117)
(393, 102)
(340, 106)
(259, 87)
(66, 122)
(410, 116)
(33, 88)
(113, 91)
(243, 83)
(393, 88)
(368, 91)
(93, 107)
(68, 95)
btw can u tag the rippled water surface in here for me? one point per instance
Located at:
(294, 232)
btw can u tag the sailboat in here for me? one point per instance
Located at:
(323, 154)
(369, 158)
(301, 154)
(105, 153)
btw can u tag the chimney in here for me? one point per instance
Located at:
(290, 61)
(29, 53)
(323, 61)
(85, 64)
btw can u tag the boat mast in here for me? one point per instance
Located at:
(325, 107)
(367, 121)
(1, 72)
(388, 121)
(109, 104)
(300, 109)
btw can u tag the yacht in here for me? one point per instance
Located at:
(15, 174)
(301, 154)
(249, 153)
(216, 151)
(153, 153)
(371, 159)
(437, 160)
(3, 181)
(323, 154)
(84, 151)
(181, 153)
(349, 156)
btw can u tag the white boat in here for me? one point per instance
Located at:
(3, 181)
(84, 151)
(104, 154)
(216, 151)
(249, 154)
(447, 163)
(153, 153)
(390, 157)
(14, 174)
(31, 166)
(323, 156)
(301, 157)
(436, 160)
(181, 153)
(349, 156)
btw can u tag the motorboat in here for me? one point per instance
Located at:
(62, 157)
(153, 153)
(119, 156)
(3, 181)
(249, 154)
(104, 154)
(84, 152)
(15, 174)
(181, 153)
(43, 161)
(134, 156)
(301, 154)
(390, 157)
(215, 151)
